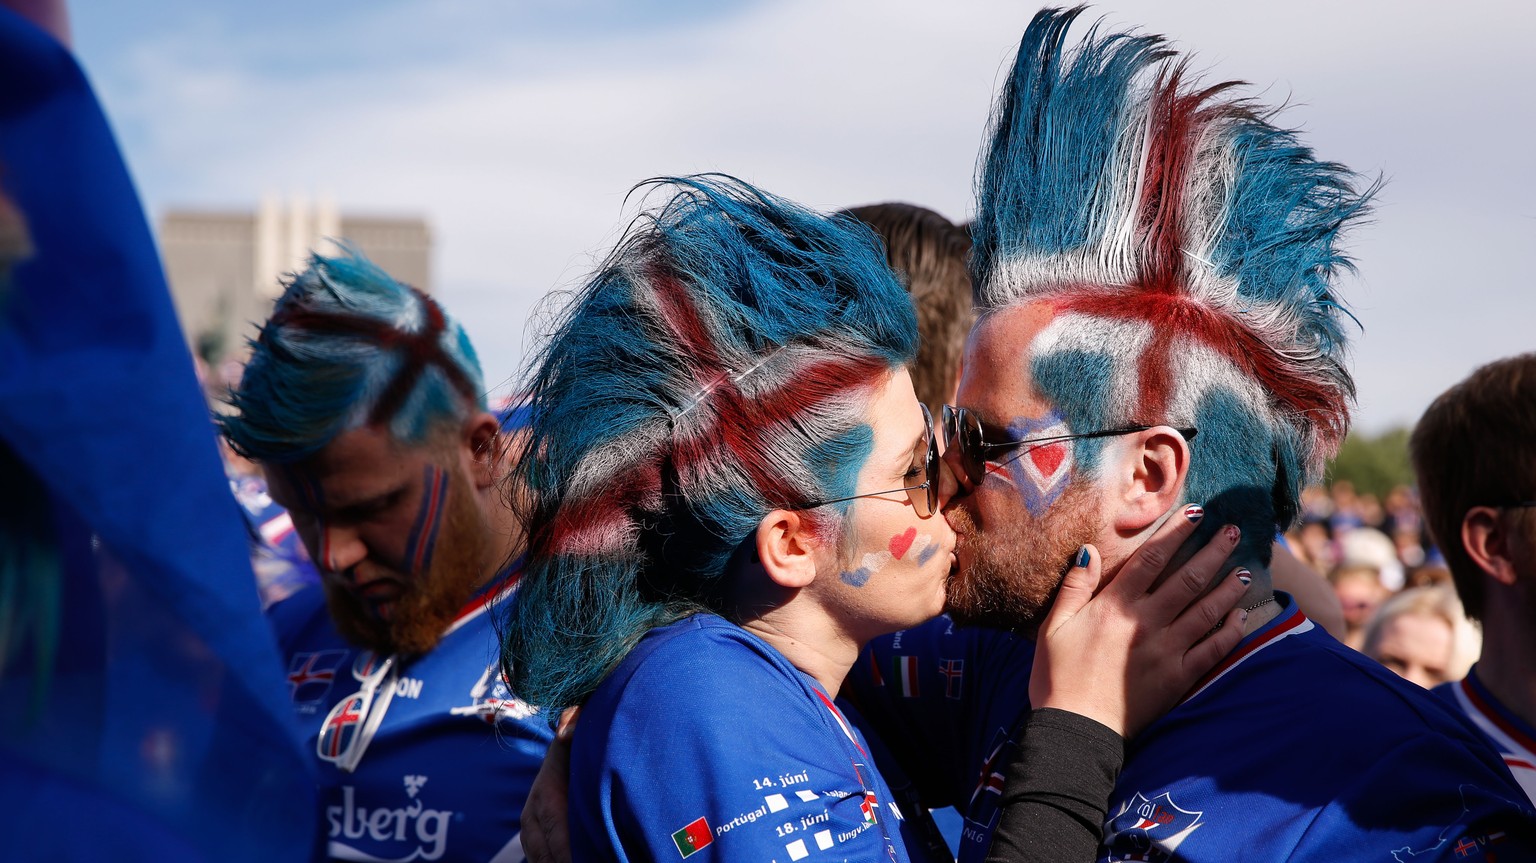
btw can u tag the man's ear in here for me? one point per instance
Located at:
(1486, 539)
(786, 548)
(1149, 477)
(481, 440)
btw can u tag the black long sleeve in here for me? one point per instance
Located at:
(1056, 792)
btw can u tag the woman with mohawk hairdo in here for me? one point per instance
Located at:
(733, 488)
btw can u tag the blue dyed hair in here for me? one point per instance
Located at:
(347, 345)
(718, 366)
(1187, 248)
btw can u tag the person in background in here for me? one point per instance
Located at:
(1474, 452)
(928, 253)
(1360, 593)
(364, 405)
(1414, 634)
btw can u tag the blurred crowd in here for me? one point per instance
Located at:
(1394, 588)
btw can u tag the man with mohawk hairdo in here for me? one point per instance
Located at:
(1153, 263)
(364, 404)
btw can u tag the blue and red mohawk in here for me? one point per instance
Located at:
(718, 366)
(1188, 248)
(347, 345)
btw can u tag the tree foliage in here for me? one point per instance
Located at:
(1374, 464)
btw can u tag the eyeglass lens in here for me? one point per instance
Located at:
(962, 434)
(925, 497)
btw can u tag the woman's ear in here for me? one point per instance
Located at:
(786, 548)
(1150, 478)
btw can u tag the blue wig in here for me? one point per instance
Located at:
(347, 345)
(1187, 248)
(718, 366)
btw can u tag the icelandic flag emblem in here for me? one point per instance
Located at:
(310, 675)
(693, 838)
(869, 806)
(954, 677)
(341, 728)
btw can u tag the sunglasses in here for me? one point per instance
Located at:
(924, 496)
(964, 435)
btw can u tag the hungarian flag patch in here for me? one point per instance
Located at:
(693, 838)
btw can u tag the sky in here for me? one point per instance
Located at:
(518, 128)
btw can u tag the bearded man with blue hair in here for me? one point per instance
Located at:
(364, 404)
(1154, 263)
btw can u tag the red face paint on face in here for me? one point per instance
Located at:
(896, 561)
(429, 517)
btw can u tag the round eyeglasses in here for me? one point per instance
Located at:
(925, 495)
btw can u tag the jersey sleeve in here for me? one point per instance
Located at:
(1426, 800)
(711, 750)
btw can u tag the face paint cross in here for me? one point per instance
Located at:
(1039, 473)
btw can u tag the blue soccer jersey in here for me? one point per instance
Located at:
(1513, 737)
(430, 760)
(947, 701)
(706, 741)
(1294, 748)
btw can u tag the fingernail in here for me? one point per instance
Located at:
(1245, 576)
(1242, 616)
(1194, 512)
(1082, 557)
(1231, 532)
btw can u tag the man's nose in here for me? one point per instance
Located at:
(950, 484)
(341, 548)
(952, 477)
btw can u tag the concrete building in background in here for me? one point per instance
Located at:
(225, 267)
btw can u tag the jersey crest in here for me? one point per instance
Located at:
(491, 700)
(1149, 830)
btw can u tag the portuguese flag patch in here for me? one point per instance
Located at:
(693, 838)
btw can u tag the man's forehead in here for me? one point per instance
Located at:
(996, 381)
(359, 464)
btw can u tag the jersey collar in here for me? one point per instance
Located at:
(1290, 621)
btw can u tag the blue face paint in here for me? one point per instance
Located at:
(856, 578)
(927, 553)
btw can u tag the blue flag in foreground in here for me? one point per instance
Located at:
(143, 712)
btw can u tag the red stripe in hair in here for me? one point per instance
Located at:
(1176, 123)
(1176, 317)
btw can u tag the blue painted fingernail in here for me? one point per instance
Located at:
(1194, 512)
(1082, 557)
(1244, 576)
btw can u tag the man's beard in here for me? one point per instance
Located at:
(417, 618)
(1011, 571)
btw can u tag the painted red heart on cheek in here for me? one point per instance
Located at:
(900, 544)
(1049, 458)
